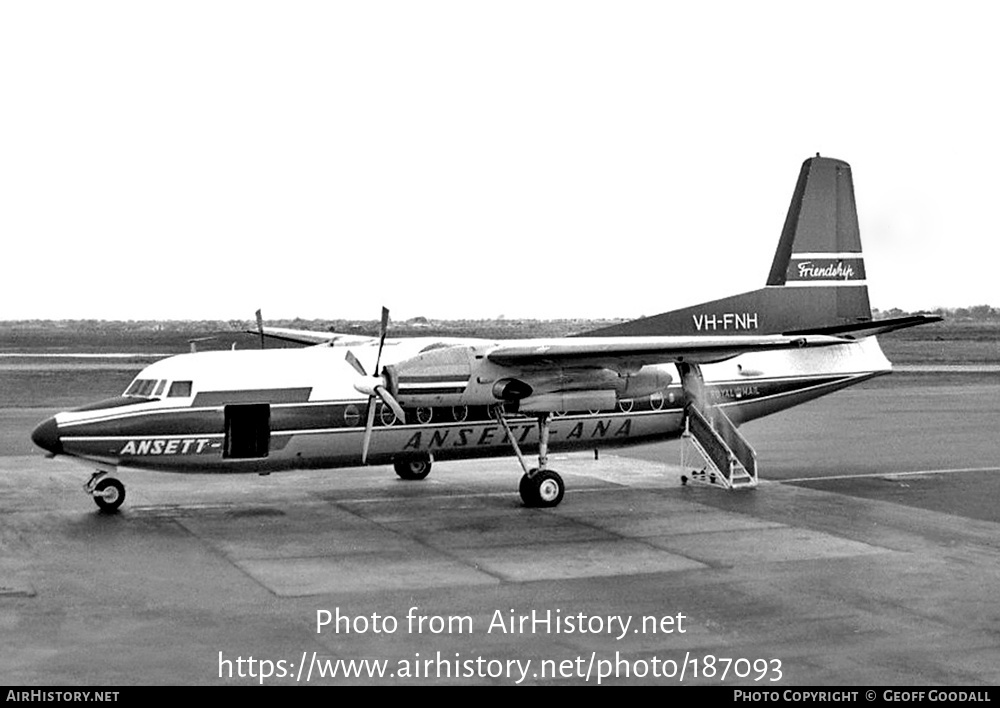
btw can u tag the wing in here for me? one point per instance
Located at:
(305, 336)
(634, 352)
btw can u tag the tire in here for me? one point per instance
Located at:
(528, 492)
(412, 469)
(109, 494)
(544, 490)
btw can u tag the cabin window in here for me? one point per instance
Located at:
(248, 431)
(179, 389)
(387, 416)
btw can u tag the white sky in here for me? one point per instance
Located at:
(470, 159)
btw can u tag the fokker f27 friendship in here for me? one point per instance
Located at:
(347, 400)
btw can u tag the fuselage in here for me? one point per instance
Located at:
(280, 409)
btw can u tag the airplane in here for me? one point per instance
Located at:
(349, 400)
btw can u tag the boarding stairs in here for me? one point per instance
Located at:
(730, 462)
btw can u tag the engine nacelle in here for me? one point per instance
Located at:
(452, 375)
(511, 390)
(566, 401)
(438, 376)
(648, 380)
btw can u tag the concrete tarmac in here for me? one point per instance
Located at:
(883, 578)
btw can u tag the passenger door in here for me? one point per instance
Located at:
(248, 431)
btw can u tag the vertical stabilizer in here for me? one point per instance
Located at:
(820, 243)
(817, 278)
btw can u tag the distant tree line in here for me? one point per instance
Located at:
(415, 325)
(976, 312)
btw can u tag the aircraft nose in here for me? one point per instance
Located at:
(46, 436)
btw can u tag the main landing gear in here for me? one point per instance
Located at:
(540, 486)
(412, 469)
(108, 492)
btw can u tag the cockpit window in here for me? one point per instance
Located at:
(179, 389)
(142, 388)
(159, 388)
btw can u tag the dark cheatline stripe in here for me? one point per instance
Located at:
(163, 422)
(404, 391)
(261, 395)
(413, 378)
(208, 420)
(116, 402)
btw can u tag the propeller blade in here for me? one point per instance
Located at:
(353, 361)
(378, 388)
(384, 394)
(383, 329)
(368, 429)
(260, 328)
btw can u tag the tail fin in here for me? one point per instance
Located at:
(817, 279)
(820, 244)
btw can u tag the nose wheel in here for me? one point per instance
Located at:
(108, 492)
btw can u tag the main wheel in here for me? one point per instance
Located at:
(109, 494)
(545, 489)
(412, 469)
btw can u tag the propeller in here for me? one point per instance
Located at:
(260, 328)
(374, 386)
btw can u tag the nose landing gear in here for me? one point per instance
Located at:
(108, 492)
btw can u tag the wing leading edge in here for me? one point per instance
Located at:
(304, 336)
(640, 351)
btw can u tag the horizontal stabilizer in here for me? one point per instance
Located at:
(868, 329)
